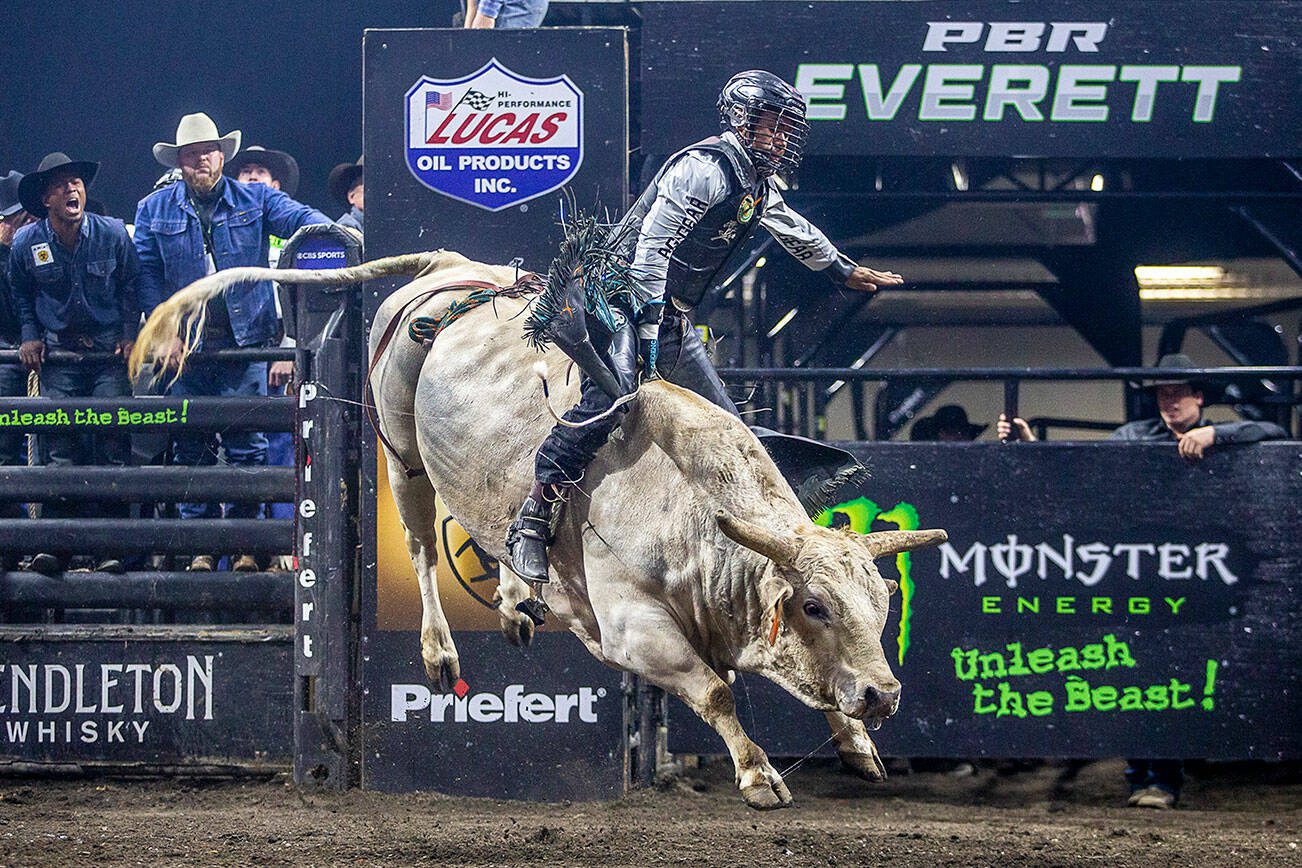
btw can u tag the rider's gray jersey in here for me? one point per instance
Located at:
(702, 204)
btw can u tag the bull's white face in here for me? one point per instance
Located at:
(822, 594)
(829, 650)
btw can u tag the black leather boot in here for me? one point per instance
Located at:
(530, 534)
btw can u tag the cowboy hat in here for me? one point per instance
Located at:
(194, 128)
(281, 165)
(343, 178)
(9, 204)
(1175, 363)
(950, 417)
(31, 189)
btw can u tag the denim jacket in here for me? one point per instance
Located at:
(169, 240)
(86, 291)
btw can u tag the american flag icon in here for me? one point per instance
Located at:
(437, 99)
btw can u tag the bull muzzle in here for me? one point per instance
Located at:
(879, 704)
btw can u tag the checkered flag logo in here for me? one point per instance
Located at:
(476, 100)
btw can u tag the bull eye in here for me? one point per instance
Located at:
(814, 609)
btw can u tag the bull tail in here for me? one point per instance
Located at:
(182, 316)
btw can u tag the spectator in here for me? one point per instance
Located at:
(74, 279)
(258, 165)
(13, 380)
(1180, 418)
(277, 169)
(948, 425)
(505, 14)
(204, 224)
(1155, 783)
(346, 185)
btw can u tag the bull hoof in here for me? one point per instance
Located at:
(517, 628)
(866, 766)
(767, 796)
(442, 667)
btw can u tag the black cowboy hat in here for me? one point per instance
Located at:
(31, 189)
(281, 165)
(342, 179)
(950, 417)
(9, 204)
(1175, 363)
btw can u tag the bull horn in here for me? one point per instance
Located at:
(892, 542)
(758, 539)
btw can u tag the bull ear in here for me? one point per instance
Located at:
(773, 592)
(775, 547)
(892, 542)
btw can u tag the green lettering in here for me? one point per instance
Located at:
(980, 693)
(124, 417)
(1140, 605)
(1178, 688)
(1066, 606)
(1016, 666)
(1132, 699)
(964, 664)
(1039, 703)
(1040, 660)
(1091, 656)
(1010, 702)
(1078, 694)
(990, 605)
(136, 418)
(1028, 604)
(992, 665)
(1105, 698)
(1118, 653)
(25, 419)
(1101, 604)
(1174, 604)
(1068, 660)
(1156, 698)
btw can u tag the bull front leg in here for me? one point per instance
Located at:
(855, 748)
(647, 642)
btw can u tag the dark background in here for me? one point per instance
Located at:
(106, 80)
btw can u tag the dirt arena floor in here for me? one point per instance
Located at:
(1051, 815)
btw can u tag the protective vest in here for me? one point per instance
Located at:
(698, 260)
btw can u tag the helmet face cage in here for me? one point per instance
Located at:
(768, 115)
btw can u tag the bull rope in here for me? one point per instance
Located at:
(540, 369)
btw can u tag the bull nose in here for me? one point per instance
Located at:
(880, 703)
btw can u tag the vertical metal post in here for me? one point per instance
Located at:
(328, 331)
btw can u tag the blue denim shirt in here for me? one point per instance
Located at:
(86, 291)
(169, 240)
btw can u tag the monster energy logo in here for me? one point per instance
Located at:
(861, 513)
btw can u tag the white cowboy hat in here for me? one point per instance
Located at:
(197, 127)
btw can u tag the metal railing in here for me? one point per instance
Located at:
(794, 400)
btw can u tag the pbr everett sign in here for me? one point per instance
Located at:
(494, 138)
(993, 78)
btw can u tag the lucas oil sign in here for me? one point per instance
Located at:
(494, 138)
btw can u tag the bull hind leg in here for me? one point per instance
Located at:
(855, 748)
(656, 649)
(415, 501)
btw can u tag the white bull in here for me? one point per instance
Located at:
(684, 555)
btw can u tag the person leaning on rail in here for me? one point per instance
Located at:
(74, 279)
(203, 224)
(1156, 783)
(1179, 421)
(13, 379)
(701, 207)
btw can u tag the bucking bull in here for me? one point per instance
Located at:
(683, 583)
